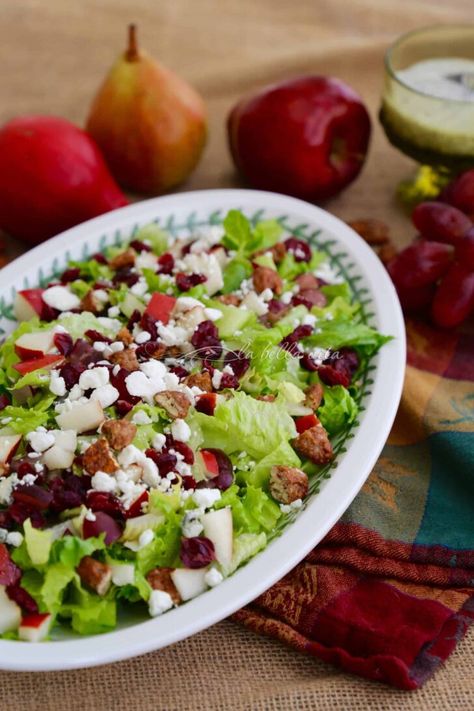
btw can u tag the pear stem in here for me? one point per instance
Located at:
(132, 50)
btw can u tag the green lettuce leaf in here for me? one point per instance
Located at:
(244, 423)
(163, 551)
(240, 236)
(338, 410)
(245, 547)
(336, 334)
(153, 235)
(253, 511)
(91, 270)
(89, 613)
(289, 268)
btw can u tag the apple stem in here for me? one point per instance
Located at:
(132, 50)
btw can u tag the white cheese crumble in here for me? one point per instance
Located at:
(180, 430)
(60, 298)
(94, 378)
(57, 384)
(103, 482)
(159, 602)
(206, 498)
(213, 577)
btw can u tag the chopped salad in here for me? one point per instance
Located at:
(164, 408)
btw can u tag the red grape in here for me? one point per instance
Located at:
(460, 192)
(440, 222)
(419, 264)
(465, 250)
(454, 298)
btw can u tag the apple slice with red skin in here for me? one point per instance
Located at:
(10, 613)
(209, 463)
(35, 628)
(34, 345)
(304, 423)
(8, 446)
(135, 509)
(47, 361)
(28, 304)
(160, 307)
(103, 523)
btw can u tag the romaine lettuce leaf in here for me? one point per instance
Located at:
(338, 410)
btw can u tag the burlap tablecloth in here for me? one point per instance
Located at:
(53, 53)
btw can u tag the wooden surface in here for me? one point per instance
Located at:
(53, 55)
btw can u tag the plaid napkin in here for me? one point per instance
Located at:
(390, 590)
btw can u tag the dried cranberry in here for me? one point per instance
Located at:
(205, 340)
(206, 403)
(94, 336)
(118, 381)
(148, 323)
(19, 512)
(134, 318)
(290, 342)
(5, 520)
(179, 371)
(9, 572)
(165, 461)
(104, 501)
(64, 499)
(300, 249)
(33, 496)
(182, 448)
(309, 298)
(229, 381)
(23, 467)
(71, 374)
(238, 361)
(140, 246)
(166, 263)
(123, 407)
(308, 363)
(125, 276)
(4, 401)
(48, 313)
(23, 599)
(99, 258)
(276, 307)
(185, 282)
(146, 350)
(188, 482)
(63, 343)
(83, 353)
(187, 248)
(197, 552)
(330, 376)
(70, 275)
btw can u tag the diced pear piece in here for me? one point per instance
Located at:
(218, 528)
(189, 582)
(82, 417)
(10, 613)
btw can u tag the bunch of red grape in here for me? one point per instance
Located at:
(436, 273)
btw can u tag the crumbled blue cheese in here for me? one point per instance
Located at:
(213, 577)
(159, 602)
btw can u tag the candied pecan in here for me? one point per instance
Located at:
(199, 380)
(173, 352)
(126, 359)
(91, 303)
(314, 395)
(125, 336)
(278, 252)
(307, 281)
(95, 575)
(374, 232)
(119, 433)
(160, 579)
(229, 299)
(272, 317)
(124, 259)
(266, 278)
(287, 484)
(175, 403)
(314, 443)
(99, 457)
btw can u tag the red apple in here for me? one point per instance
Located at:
(304, 423)
(103, 523)
(8, 446)
(209, 463)
(35, 627)
(34, 345)
(160, 307)
(47, 361)
(28, 304)
(53, 177)
(306, 137)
